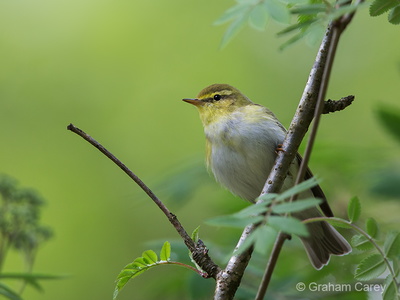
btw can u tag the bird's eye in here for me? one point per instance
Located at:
(217, 97)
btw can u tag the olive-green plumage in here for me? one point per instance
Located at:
(241, 142)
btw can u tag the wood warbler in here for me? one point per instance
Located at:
(241, 143)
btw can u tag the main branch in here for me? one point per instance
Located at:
(314, 93)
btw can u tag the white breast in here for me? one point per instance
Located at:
(243, 152)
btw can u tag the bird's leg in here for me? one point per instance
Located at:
(279, 148)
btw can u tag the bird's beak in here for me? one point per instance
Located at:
(195, 102)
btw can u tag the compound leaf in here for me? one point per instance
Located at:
(370, 267)
(379, 7)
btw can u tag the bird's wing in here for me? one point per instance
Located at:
(317, 191)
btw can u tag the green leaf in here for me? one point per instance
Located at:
(277, 10)
(339, 223)
(195, 234)
(314, 33)
(252, 210)
(295, 206)
(298, 26)
(248, 242)
(267, 198)
(249, 215)
(354, 209)
(258, 17)
(128, 273)
(292, 40)
(309, 9)
(165, 252)
(233, 29)
(392, 244)
(379, 7)
(150, 257)
(371, 227)
(234, 221)
(297, 189)
(31, 278)
(360, 242)
(390, 291)
(289, 225)
(295, 2)
(8, 292)
(148, 260)
(395, 266)
(370, 267)
(265, 239)
(394, 15)
(390, 116)
(139, 262)
(232, 13)
(345, 9)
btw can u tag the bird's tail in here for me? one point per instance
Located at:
(323, 241)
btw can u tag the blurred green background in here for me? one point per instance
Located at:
(118, 70)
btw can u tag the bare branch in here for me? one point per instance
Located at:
(199, 251)
(331, 106)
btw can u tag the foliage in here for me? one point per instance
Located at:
(312, 17)
(378, 255)
(148, 260)
(379, 7)
(20, 229)
(263, 237)
(378, 259)
(266, 212)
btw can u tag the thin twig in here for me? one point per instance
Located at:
(271, 265)
(198, 251)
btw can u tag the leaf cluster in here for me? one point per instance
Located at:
(273, 214)
(379, 7)
(20, 226)
(263, 237)
(378, 260)
(21, 230)
(379, 255)
(148, 260)
(311, 17)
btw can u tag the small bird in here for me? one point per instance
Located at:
(241, 143)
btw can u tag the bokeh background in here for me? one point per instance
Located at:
(118, 70)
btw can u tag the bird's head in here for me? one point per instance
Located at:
(218, 100)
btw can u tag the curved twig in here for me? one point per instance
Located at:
(198, 251)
